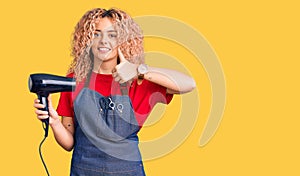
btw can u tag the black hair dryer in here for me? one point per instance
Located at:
(44, 84)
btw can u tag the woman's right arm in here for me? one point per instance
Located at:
(63, 129)
(63, 132)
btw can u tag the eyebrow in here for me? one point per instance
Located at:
(98, 30)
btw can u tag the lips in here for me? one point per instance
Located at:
(103, 49)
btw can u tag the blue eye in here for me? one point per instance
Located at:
(96, 35)
(112, 35)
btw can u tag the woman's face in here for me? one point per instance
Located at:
(105, 43)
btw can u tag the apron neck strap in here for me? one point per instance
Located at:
(87, 80)
(123, 88)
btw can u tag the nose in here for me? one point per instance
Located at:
(103, 39)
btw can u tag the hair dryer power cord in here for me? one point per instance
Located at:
(41, 156)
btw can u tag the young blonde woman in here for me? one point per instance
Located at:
(114, 95)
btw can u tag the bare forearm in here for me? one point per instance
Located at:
(174, 81)
(63, 136)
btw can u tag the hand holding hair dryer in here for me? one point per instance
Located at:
(44, 84)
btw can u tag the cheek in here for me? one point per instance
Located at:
(113, 43)
(114, 52)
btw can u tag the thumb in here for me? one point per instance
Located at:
(121, 56)
(52, 111)
(50, 101)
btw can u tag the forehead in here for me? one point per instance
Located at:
(104, 24)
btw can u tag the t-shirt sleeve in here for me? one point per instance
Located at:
(65, 105)
(159, 93)
(145, 96)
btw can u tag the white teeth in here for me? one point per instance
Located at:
(103, 49)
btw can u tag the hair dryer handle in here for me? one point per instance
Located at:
(43, 97)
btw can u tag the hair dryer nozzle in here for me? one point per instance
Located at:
(47, 83)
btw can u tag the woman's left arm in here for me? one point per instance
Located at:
(175, 82)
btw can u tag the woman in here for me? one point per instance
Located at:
(114, 95)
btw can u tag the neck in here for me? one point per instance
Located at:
(104, 67)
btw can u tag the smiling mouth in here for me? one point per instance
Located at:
(103, 49)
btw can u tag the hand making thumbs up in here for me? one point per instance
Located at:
(125, 71)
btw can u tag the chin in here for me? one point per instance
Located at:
(108, 58)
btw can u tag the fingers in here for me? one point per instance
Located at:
(114, 73)
(41, 114)
(37, 104)
(122, 81)
(118, 79)
(117, 76)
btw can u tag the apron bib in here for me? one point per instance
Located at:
(106, 141)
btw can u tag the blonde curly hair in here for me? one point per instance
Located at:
(130, 39)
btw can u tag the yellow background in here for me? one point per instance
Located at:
(258, 46)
